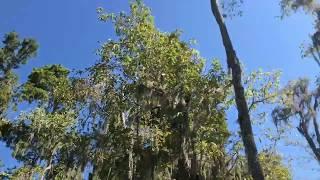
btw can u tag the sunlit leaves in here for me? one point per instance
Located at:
(262, 87)
(155, 92)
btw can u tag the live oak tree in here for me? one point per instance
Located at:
(298, 102)
(174, 127)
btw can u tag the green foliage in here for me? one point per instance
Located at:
(168, 109)
(273, 167)
(261, 87)
(49, 86)
(13, 54)
(145, 110)
(271, 163)
(6, 91)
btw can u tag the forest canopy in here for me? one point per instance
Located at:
(151, 107)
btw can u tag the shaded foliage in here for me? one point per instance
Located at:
(13, 54)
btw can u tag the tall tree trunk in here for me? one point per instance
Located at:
(242, 107)
(131, 158)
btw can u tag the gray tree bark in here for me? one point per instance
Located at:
(242, 106)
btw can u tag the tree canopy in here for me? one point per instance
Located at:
(150, 108)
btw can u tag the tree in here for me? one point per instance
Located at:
(13, 54)
(242, 106)
(312, 7)
(297, 101)
(161, 78)
(298, 105)
(48, 133)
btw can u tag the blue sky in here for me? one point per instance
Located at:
(69, 33)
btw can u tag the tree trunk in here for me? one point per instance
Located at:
(184, 140)
(242, 107)
(304, 132)
(130, 161)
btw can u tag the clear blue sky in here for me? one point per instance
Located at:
(69, 33)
